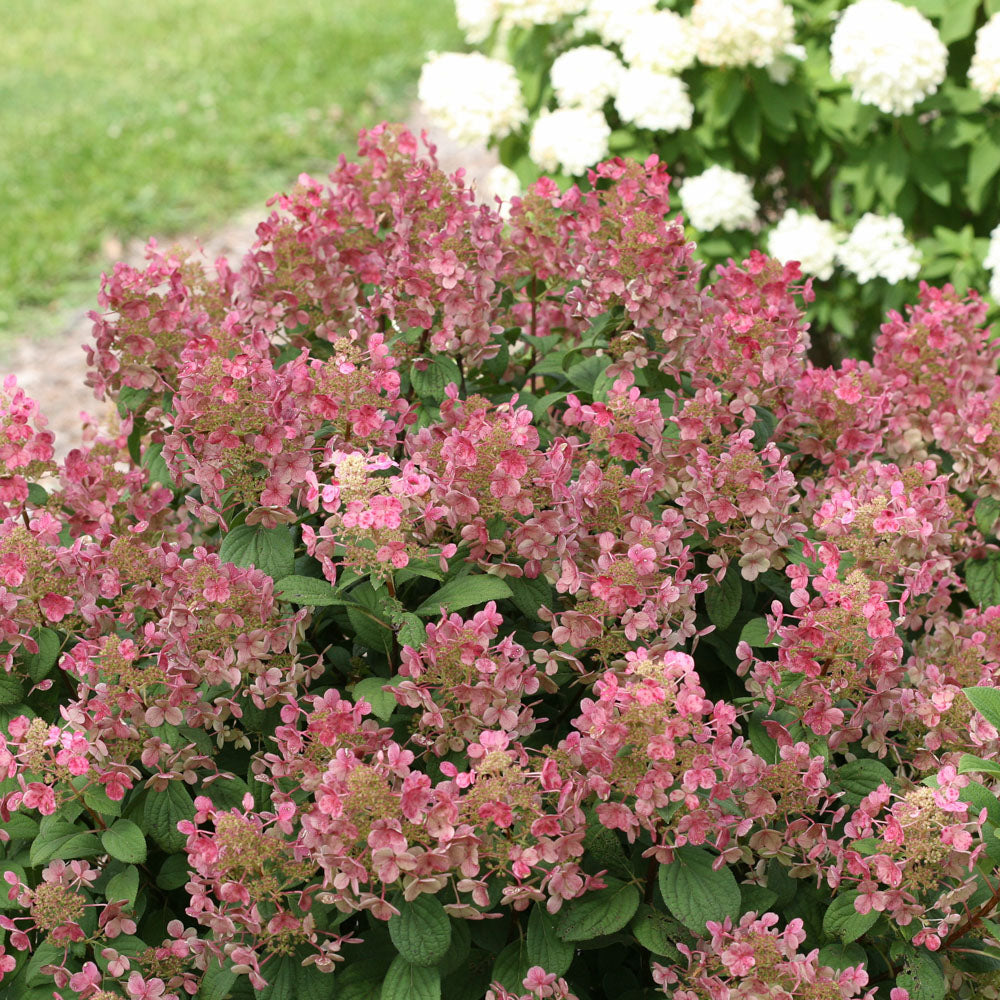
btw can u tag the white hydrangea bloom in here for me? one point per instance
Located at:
(657, 101)
(806, 238)
(742, 32)
(984, 72)
(476, 18)
(719, 198)
(889, 53)
(783, 67)
(569, 139)
(612, 19)
(525, 13)
(992, 263)
(877, 247)
(585, 77)
(472, 97)
(662, 40)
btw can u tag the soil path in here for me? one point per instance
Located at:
(52, 370)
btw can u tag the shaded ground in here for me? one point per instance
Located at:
(52, 370)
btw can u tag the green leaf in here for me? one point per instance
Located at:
(422, 931)
(844, 921)
(370, 629)
(511, 966)
(271, 550)
(958, 20)
(58, 838)
(755, 633)
(218, 980)
(123, 886)
(429, 383)
(130, 399)
(986, 701)
(923, 977)
(383, 703)
(545, 948)
(982, 577)
(458, 952)
(163, 811)
(405, 981)
(155, 464)
(174, 872)
(411, 631)
(11, 689)
(657, 932)
(597, 913)
(37, 495)
(723, 600)
(125, 841)
(842, 956)
(968, 764)
(288, 979)
(604, 847)
(465, 592)
(858, 778)
(530, 594)
(307, 591)
(584, 373)
(361, 980)
(695, 892)
(987, 512)
(984, 162)
(764, 426)
(38, 665)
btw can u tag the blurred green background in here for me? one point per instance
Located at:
(128, 118)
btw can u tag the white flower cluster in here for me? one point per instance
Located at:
(612, 19)
(719, 198)
(878, 248)
(657, 101)
(585, 77)
(742, 32)
(889, 53)
(476, 18)
(525, 13)
(661, 41)
(570, 139)
(472, 97)
(984, 71)
(804, 237)
(992, 263)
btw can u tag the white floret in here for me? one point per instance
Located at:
(742, 32)
(585, 77)
(719, 199)
(655, 101)
(570, 140)
(806, 238)
(877, 247)
(984, 71)
(662, 41)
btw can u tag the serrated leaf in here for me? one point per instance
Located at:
(37, 495)
(124, 841)
(465, 592)
(584, 373)
(755, 633)
(58, 838)
(530, 594)
(422, 931)
(987, 512)
(511, 966)
(174, 872)
(361, 980)
(429, 377)
(604, 847)
(218, 980)
(271, 550)
(383, 703)
(458, 951)
(405, 981)
(842, 956)
(123, 886)
(307, 591)
(986, 701)
(411, 632)
(923, 978)
(844, 921)
(597, 913)
(695, 892)
(163, 811)
(38, 665)
(370, 629)
(545, 948)
(968, 764)
(657, 932)
(155, 464)
(723, 600)
(288, 979)
(764, 426)
(11, 689)
(859, 778)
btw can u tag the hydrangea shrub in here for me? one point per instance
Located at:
(464, 608)
(857, 137)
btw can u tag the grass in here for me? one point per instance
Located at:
(123, 120)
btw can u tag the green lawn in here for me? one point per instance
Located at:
(125, 118)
